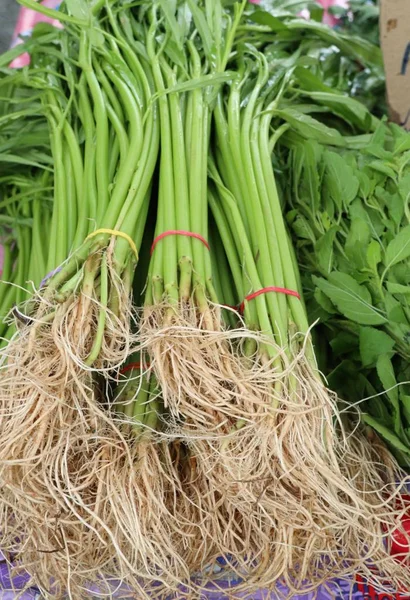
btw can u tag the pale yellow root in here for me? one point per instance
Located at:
(79, 502)
(284, 489)
(203, 380)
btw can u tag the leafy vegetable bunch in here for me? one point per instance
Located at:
(349, 211)
(145, 444)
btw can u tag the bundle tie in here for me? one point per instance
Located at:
(49, 276)
(131, 367)
(117, 233)
(197, 236)
(266, 290)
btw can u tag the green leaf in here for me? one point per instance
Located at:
(394, 310)
(58, 15)
(357, 241)
(352, 111)
(352, 299)
(311, 128)
(202, 26)
(364, 184)
(343, 343)
(402, 142)
(395, 207)
(386, 375)
(324, 250)
(311, 82)
(169, 12)
(324, 302)
(311, 179)
(405, 403)
(374, 342)
(264, 18)
(374, 255)
(397, 288)
(404, 186)
(349, 45)
(385, 433)
(382, 167)
(347, 381)
(340, 179)
(399, 248)
(302, 229)
(78, 8)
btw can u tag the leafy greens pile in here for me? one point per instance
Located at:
(349, 214)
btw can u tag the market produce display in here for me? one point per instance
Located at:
(166, 170)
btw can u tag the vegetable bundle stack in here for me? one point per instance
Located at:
(221, 440)
(62, 454)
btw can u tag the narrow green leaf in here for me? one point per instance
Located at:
(374, 255)
(405, 403)
(324, 302)
(202, 26)
(357, 241)
(324, 250)
(352, 299)
(199, 83)
(264, 18)
(50, 12)
(340, 180)
(78, 8)
(394, 310)
(169, 12)
(386, 375)
(382, 167)
(398, 249)
(385, 433)
(343, 343)
(311, 128)
(397, 288)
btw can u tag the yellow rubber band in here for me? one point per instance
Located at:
(121, 234)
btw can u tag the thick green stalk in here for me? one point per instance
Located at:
(184, 245)
(90, 197)
(101, 129)
(7, 262)
(167, 189)
(71, 198)
(58, 240)
(139, 186)
(77, 170)
(234, 217)
(275, 276)
(290, 278)
(197, 183)
(102, 316)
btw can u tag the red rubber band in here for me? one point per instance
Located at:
(131, 366)
(179, 232)
(278, 290)
(229, 306)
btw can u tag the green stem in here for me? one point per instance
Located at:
(184, 245)
(102, 317)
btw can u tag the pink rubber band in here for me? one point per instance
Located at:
(179, 232)
(266, 290)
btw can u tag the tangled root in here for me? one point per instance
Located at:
(82, 507)
(286, 490)
(203, 379)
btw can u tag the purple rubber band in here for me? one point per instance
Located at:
(47, 277)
